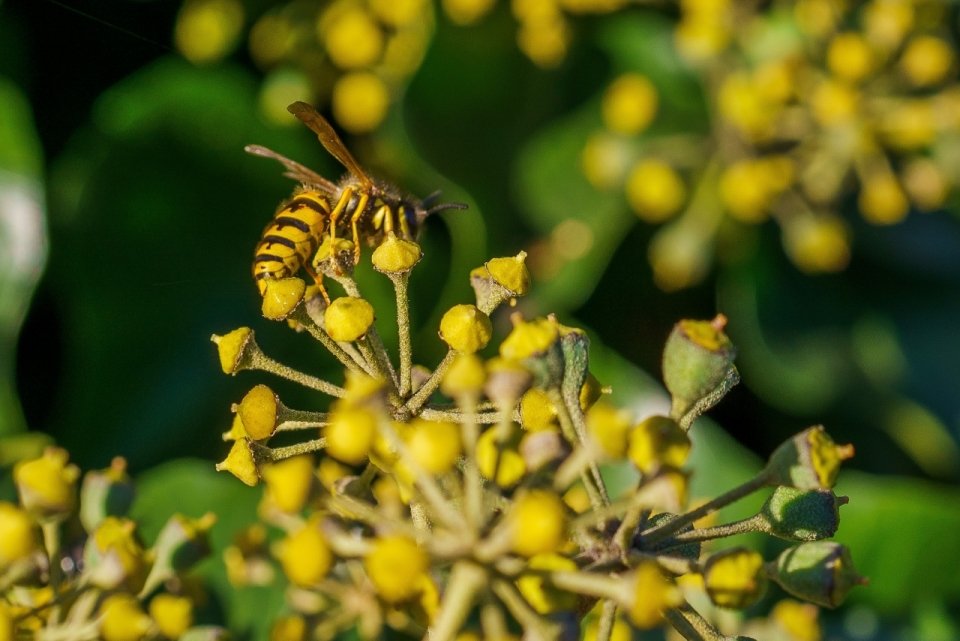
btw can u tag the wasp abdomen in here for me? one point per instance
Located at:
(291, 238)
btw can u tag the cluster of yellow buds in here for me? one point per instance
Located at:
(355, 56)
(811, 102)
(77, 569)
(423, 498)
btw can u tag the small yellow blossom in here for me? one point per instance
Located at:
(658, 441)
(654, 191)
(18, 535)
(537, 411)
(652, 593)
(927, 60)
(395, 567)
(435, 445)
(350, 434)
(529, 339)
(509, 463)
(241, 462)
(882, 200)
(735, 578)
(395, 255)
(609, 428)
(290, 482)
(541, 596)
(538, 523)
(47, 485)
(360, 101)
(348, 318)
(305, 554)
(465, 377)
(629, 104)
(172, 614)
(465, 328)
(123, 619)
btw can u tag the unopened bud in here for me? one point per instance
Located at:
(658, 441)
(47, 485)
(281, 297)
(465, 377)
(698, 367)
(290, 482)
(538, 523)
(348, 318)
(735, 578)
(500, 459)
(18, 535)
(609, 427)
(236, 350)
(499, 280)
(651, 594)
(543, 597)
(122, 619)
(172, 614)
(537, 411)
(801, 515)
(305, 554)
(396, 567)
(536, 345)
(821, 572)
(350, 434)
(396, 256)
(465, 329)
(243, 461)
(114, 556)
(810, 460)
(258, 412)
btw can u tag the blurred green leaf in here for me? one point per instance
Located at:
(20, 150)
(192, 487)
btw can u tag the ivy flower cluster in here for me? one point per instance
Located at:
(77, 570)
(812, 103)
(355, 56)
(470, 501)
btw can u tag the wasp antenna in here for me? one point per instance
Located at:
(432, 197)
(443, 206)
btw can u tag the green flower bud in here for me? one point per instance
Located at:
(688, 550)
(396, 256)
(808, 461)
(281, 297)
(348, 318)
(821, 572)
(465, 329)
(735, 578)
(801, 515)
(105, 493)
(698, 367)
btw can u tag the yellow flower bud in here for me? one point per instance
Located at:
(241, 462)
(305, 554)
(258, 412)
(817, 244)
(350, 434)
(289, 482)
(609, 427)
(834, 103)
(465, 329)
(537, 412)
(172, 614)
(591, 392)
(651, 594)
(236, 430)
(629, 104)
(926, 61)
(351, 36)
(541, 596)
(465, 377)
(621, 630)
(925, 183)
(281, 297)
(746, 191)
(435, 445)
(654, 191)
(123, 619)
(909, 126)
(544, 40)
(396, 566)
(511, 273)
(577, 499)
(348, 318)
(510, 464)
(395, 256)
(289, 628)
(529, 339)
(232, 348)
(18, 535)
(47, 485)
(882, 201)
(207, 30)
(735, 578)
(658, 441)
(538, 523)
(798, 620)
(115, 556)
(849, 57)
(360, 101)
(362, 389)
(8, 630)
(466, 12)
(330, 471)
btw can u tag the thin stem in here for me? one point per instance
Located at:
(534, 626)
(575, 413)
(454, 416)
(280, 453)
(492, 620)
(474, 484)
(466, 581)
(51, 541)
(381, 356)
(430, 385)
(400, 282)
(607, 617)
(659, 533)
(267, 364)
(597, 498)
(753, 524)
(691, 625)
(598, 585)
(300, 315)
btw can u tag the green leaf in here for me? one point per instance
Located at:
(20, 150)
(192, 487)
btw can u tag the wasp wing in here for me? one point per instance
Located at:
(330, 140)
(295, 170)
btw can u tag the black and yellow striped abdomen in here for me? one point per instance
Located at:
(292, 238)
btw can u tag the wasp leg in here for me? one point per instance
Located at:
(361, 205)
(318, 279)
(345, 197)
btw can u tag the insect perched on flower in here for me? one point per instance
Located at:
(322, 211)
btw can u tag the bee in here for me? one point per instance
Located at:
(358, 205)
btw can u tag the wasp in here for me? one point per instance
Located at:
(358, 205)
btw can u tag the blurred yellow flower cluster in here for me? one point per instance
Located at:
(353, 55)
(114, 588)
(422, 497)
(812, 102)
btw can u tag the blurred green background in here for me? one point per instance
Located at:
(129, 212)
